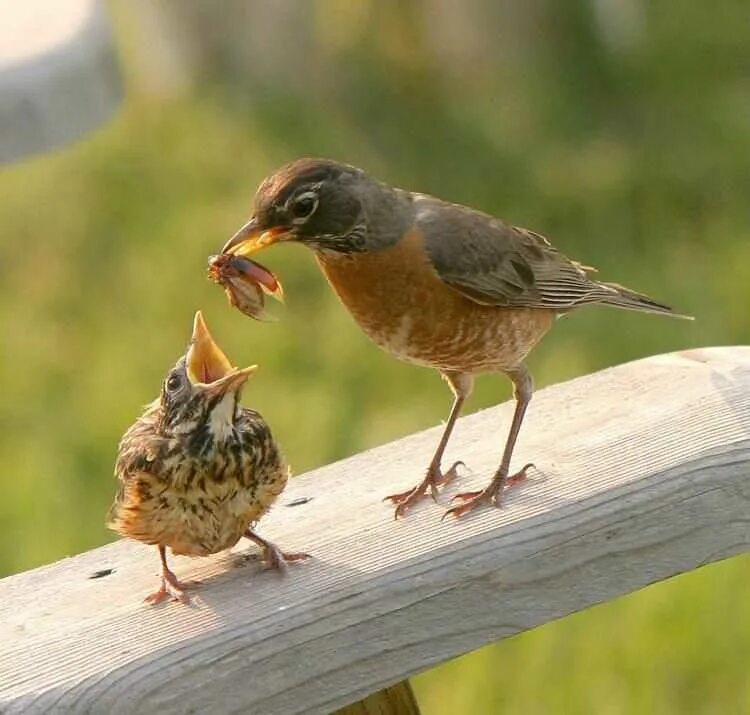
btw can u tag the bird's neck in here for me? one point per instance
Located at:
(221, 419)
(388, 214)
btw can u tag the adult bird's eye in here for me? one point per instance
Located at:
(304, 205)
(174, 383)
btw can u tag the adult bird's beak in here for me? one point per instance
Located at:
(208, 366)
(251, 238)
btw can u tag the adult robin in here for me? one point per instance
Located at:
(435, 283)
(196, 471)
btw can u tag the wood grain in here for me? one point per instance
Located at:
(643, 473)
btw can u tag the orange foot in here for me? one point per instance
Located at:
(433, 479)
(171, 588)
(491, 495)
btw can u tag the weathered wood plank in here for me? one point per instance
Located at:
(644, 474)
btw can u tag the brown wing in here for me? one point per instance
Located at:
(496, 264)
(136, 453)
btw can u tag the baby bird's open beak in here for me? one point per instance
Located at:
(208, 366)
(251, 238)
(231, 382)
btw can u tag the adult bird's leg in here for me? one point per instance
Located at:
(461, 385)
(492, 493)
(170, 587)
(272, 554)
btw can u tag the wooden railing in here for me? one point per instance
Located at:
(643, 473)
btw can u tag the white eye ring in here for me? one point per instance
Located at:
(298, 201)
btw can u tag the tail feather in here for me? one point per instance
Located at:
(622, 297)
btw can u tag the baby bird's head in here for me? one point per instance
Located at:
(201, 392)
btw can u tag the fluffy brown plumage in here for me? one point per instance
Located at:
(434, 283)
(196, 471)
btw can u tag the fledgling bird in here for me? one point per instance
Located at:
(196, 471)
(434, 283)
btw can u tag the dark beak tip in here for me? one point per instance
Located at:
(241, 235)
(231, 243)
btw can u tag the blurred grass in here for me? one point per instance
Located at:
(681, 646)
(635, 163)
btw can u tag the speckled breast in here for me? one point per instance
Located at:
(398, 299)
(196, 515)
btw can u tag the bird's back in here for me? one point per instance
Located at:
(495, 263)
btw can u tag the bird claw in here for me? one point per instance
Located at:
(165, 593)
(433, 479)
(171, 588)
(472, 500)
(274, 557)
(491, 495)
(277, 559)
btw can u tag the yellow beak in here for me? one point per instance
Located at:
(251, 239)
(208, 366)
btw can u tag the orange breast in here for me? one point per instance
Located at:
(398, 299)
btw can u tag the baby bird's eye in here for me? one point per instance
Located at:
(174, 383)
(304, 205)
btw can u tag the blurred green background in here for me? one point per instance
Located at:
(619, 128)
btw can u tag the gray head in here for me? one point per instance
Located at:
(324, 205)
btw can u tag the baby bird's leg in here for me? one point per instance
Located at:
(493, 492)
(461, 385)
(272, 554)
(170, 587)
